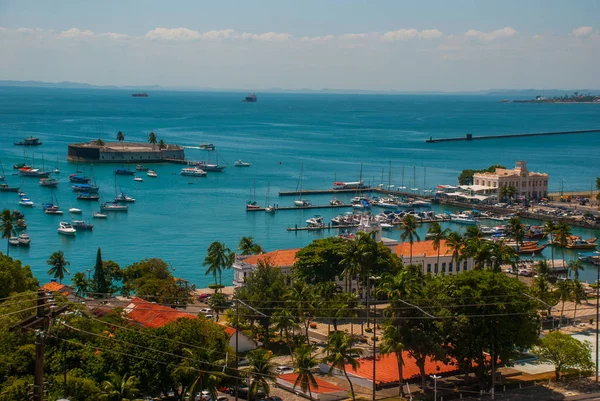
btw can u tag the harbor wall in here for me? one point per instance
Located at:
(127, 154)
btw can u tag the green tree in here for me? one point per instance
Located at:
(199, 371)
(562, 236)
(437, 235)
(15, 278)
(99, 142)
(578, 295)
(466, 176)
(119, 388)
(152, 139)
(260, 372)
(218, 302)
(575, 266)
(162, 144)
(409, 231)
(301, 301)
(219, 257)
(456, 243)
(7, 228)
(340, 351)
(247, 246)
(304, 364)
(516, 231)
(100, 285)
(550, 228)
(321, 260)
(121, 138)
(507, 192)
(598, 187)
(564, 352)
(59, 265)
(392, 344)
(80, 282)
(151, 279)
(563, 292)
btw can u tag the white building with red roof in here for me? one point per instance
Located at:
(424, 254)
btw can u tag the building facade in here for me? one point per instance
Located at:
(425, 255)
(527, 184)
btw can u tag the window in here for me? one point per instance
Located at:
(465, 267)
(443, 267)
(450, 267)
(428, 267)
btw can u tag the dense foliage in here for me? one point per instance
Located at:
(466, 176)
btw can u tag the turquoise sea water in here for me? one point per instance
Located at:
(329, 135)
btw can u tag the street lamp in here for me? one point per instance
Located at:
(435, 379)
(89, 271)
(374, 339)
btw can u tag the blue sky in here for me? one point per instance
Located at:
(402, 45)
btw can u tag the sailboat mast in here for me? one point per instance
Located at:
(424, 178)
(390, 176)
(402, 177)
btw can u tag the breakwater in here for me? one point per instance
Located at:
(470, 137)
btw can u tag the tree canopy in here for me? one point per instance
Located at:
(466, 176)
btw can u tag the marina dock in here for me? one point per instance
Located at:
(277, 208)
(341, 191)
(470, 137)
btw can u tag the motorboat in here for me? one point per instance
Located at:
(24, 239)
(336, 202)
(241, 163)
(65, 228)
(209, 167)
(100, 215)
(302, 203)
(462, 219)
(139, 167)
(53, 210)
(270, 209)
(89, 188)
(582, 244)
(124, 198)
(79, 179)
(81, 225)
(74, 210)
(49, 182)
(123, 171)
(485, 230)
(316, 221)
(20, 224)
(13, 241)
(152, 173)
(138, 179)
(88, 196)
(24, 201)
(207, 146)
(386, 226)
(113, 207)
(193, 172)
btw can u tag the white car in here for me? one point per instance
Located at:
(205, 310)
(282, 370)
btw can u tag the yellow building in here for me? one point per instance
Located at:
(527, 184)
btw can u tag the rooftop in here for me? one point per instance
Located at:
(422, 247)
(323, 387)
(53, 286)
(148, 314)
(280, 258)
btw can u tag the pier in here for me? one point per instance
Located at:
(277, 208)
(470, 137)
(338, 191)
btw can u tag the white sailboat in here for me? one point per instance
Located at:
(269, 208)
(301, 202)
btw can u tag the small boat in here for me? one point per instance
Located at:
(88, 196)
(270, 209)
(582, 244)
(316, 221)
(140, 94)
(4, 187)
(139, 167)
(207, 146)
(124, 198)
(241, 163)
(14, 241)
(82, 225)
(20, 224)
(462, 219)
(386, 226)
(123, 171)
(53, 210)
(251, 98)
(215, 168)
(56, 170)
(33, 172)
(152, 173)
(138, 179)
(79, 179)
(252, 205)
(193, 172)
(30, 141)
(100, 215)
(49, 182)
(24, 201)
(302, 203)
(113, 207)
(74, 210)
(336, 202)
(65, 228)
(24, 239)
(86, 188)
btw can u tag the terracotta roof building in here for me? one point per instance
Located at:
(324, 391)
(425, 255)
(243, 266)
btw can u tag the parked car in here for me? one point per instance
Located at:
(282, 370)
(205, 310)
(203, 297)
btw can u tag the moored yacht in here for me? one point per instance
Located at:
(241, 163)
(124, 198)
(193, 172)
(113, 207)
(65, 228)
(24, 239)
(152, 173)
(316, 221)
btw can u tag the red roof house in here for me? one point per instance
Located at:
(324, 391)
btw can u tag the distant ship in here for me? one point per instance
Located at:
(141, 94)
(251, 98)
(31, 141)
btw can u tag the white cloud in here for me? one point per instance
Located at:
(173, 34)
(115, 36)
(185, 34)
(582, 31)
(75, 33)
(325, 38)
(267, 36)
(505, 32)
(406, 34)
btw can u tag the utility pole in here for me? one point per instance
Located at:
(40, 322)
(237, 329)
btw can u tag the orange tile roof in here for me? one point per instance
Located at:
(280, 258)
(324, 387)
(153, 315)
(387, 368)
(230, 331)
(421, 247)
(53, 286)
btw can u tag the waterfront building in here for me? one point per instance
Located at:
(124, 152)
(527, 184)
(424, 255)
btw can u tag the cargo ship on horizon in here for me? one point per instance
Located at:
(140, 94)
(251, 98)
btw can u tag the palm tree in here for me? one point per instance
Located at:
(285, 322)
(392, 344)
(562, 235)
(575, 266)
(99, 142)
(304, 363)
(340, 351)
(550, 228)
(516, 230)
(409, 227)
(247, 246)
(261, 371)
(8, 228)
(121, 138)
(119, 388)
(80, 282)
(456, 243)
(579, 295)
(152, 139)
(219, 257)
(301, 298)
(162, 144)
(437, 235)
(199, 372)
(59, 265)
(563, 291)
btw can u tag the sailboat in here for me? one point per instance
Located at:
(56, 169)
(3, 175)
(120, 196)
(251, 204)
(269, 208)
(415, 189)
(360, 201)
(301, 202)
(52, 208)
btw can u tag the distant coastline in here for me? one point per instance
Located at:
(576, 97)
